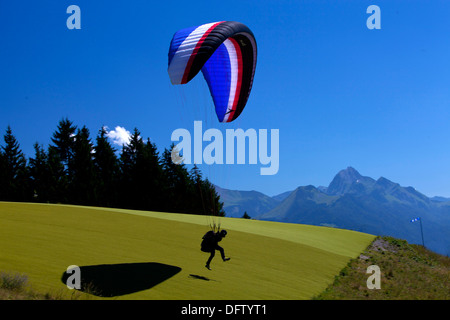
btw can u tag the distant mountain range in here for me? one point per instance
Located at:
(355, 202)
(255, 203)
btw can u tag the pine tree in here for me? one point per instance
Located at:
(213, 204)
(40, 175)
(60, 155)
(128, 161)
(15, 186)
(81, 168)
(106, 168)
(63, 141)
(58, 184)
(141, 181)
(3, 177)
(177, 181)
(246, 216)
(149, 179)
(197, 192)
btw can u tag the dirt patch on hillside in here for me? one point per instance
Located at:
(381, 244)
(378, 245)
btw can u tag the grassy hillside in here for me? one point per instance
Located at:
(153, 255)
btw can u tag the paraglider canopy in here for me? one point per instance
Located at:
(225, 52)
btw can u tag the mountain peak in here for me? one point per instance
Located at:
(343, 180)
(350, 171)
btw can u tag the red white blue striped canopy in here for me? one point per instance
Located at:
(225, 52)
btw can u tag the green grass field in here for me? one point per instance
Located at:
(269, 260)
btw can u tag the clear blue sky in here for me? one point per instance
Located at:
(340, 94)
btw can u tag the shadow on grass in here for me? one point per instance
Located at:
(111, 280)
(195, 276)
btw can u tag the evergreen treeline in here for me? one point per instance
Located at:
(74, 169)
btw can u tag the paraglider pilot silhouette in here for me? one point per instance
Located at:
(210, 244)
